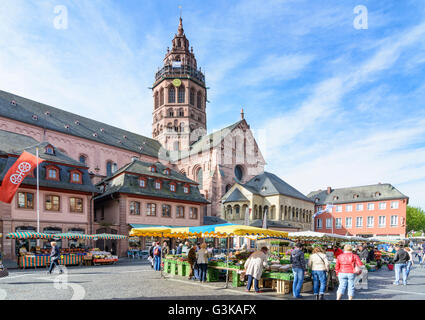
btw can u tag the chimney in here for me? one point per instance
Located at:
(242, 114)
(329, 190)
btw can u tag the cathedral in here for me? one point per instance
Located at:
(181, 176)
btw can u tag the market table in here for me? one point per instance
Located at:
(43, 260)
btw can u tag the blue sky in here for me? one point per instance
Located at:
(330, 105)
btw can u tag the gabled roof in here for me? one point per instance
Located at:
(267, 184)
(205, 143)
(236, 196)
(126, 180)
(51, 118)
(375, 192)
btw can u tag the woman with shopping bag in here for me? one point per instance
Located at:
(348, 265)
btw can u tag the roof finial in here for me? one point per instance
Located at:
(180, 30)
(242, 114)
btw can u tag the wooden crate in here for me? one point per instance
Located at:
(307, 287)
(262, 283)
(282, 286)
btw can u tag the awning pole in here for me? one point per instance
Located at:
(227, 262)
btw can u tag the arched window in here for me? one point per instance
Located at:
(181, 112)
(192, 97)
(181, 94)
(171, 94)
(238, 172)
(182, 127)
(156, 100)
(83, 159)
(199, 177)
(169, 127)
(161, 96)
(199, 100)
(170, 112)
(109, 168)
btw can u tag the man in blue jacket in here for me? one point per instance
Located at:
(298, 268)
(55, 256)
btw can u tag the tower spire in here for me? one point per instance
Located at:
(242, 114)
(180, 29)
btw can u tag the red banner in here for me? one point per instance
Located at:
(25, 164)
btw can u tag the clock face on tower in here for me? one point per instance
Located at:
(177, 82)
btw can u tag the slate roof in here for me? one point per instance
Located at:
(205, 143)
(375, 192)
(209, 220)
(235, 196)
(128, 182)
(267, 184)
(57, 119)
(13, 143)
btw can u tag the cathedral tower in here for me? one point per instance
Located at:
(180, 95)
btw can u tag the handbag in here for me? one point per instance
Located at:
(3, 272)
(356, 268)
(327, 269)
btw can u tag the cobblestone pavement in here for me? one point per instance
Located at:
(136, 280)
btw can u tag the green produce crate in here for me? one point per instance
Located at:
(181, 269)
(167, 266)
(187, 269)
(286, 276)
(285, 261)
(173, 269)
(212, 275)
(236, 282)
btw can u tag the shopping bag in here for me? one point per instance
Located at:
(4, 273)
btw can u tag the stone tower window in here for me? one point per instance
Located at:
(156, 100)
(192, 97)
(161, 97)
(181, 94)
(171, 94)
(199, 100)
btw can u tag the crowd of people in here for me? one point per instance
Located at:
(350, 266)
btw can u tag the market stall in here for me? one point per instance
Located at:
(98, 256)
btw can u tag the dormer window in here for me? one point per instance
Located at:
(186, 188)
(95, 134)
(77, 122)
(76, 177)
(125, 137)
(142, 182)
(13, 103)
(336, 198)
(167, 172)
(52, 173)
(158, 184)
(355, 196)
(172, 187)
(102, 130)
(49, 150)
(153, 169)
(377, 194)
(35, 117)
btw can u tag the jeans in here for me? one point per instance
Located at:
(319, 279)
(202, 270)
(157, 263)
(249, 284)
(298, 281)
(346, 280)
(197, 271)
(53, 264)
(400, 268)
(408, 267)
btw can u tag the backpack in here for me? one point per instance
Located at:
(156, 251)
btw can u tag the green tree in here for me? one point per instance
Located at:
(415, 219)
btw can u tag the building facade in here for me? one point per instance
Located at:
(65, 195)
(374, 210)
(287, 208)
(141, 194)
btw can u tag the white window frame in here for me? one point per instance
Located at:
(370, 206)
(328, 223)
(391, 221)
(319, 224)
(338, 208)
(379, 222)
(382, 205)
(338, 223)
(359, 205)
(349, 226)
(393, 203)
(373, 222)
(359, 225)
(157, 185)
(349, 208)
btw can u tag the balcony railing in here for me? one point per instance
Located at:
(186, 70)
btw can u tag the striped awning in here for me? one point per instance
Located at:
(27, 235)
(105, 236)
(72, 235)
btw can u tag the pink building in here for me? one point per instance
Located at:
(65, 196)
(375, 210)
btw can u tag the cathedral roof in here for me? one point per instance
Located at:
(44, 116)
(375, 192)
(235, 196)
(267, 184)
